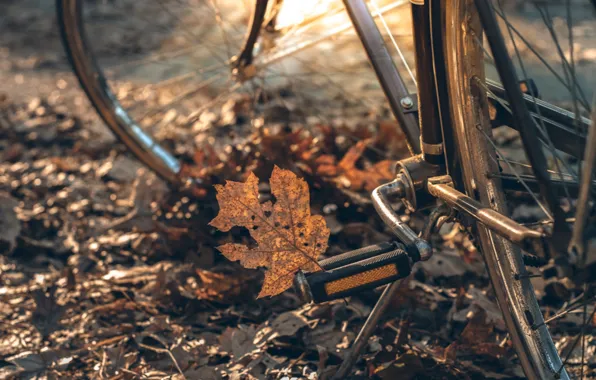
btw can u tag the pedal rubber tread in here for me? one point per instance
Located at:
(358, 276)
(357, 255)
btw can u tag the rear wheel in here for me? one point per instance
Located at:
(158, 71)
(486, 160)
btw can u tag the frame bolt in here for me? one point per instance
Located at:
(407, 102)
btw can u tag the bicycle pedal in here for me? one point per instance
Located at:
(357, 255)
(374, 270)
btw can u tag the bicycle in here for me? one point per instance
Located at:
(456, 168)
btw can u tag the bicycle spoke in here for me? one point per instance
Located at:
(576, 340)
(232, 25)
(571, 79)
(574, 93)
(487, 55)
(535, 52)
(321, 112)
(173, 80)
(542, 131)
(386, 27)
(192, 117)
(530, 167)
(311, 66)
(545, 222)
(185, 95)
(563, 313)
(517, 175)
(156, 57)
(153, 58)
(326, 35)
(213, 4)
(190, 35)
(541, 125)
(300, 27)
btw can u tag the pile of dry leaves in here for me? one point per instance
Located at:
(106, 271)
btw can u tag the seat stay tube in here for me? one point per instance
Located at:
(391, 81)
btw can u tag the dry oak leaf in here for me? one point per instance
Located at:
(289, 238)
(369, 178)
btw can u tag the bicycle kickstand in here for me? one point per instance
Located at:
(370, 267)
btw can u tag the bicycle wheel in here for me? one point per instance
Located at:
(156, 71)
(490, 157)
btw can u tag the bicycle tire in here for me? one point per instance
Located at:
(470, 116)
(92, 81)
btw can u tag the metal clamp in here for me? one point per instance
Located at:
(434, 149)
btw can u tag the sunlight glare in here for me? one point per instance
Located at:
(294, 12)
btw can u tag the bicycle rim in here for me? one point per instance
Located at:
(483, 160)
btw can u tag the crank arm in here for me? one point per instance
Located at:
(522, 236)
(399, 188)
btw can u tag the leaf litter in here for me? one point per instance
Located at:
(121, 276)
(131, 284)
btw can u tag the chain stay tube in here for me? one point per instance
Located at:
(518, 234)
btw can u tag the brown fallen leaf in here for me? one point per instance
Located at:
(369, 178)
(477, 337)
(325, 166)
(146, 189)
(477, 329)
(238, 341)
(222, 287)
(391, 138)
(47, 314)
(285, 324)
(289, 238)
